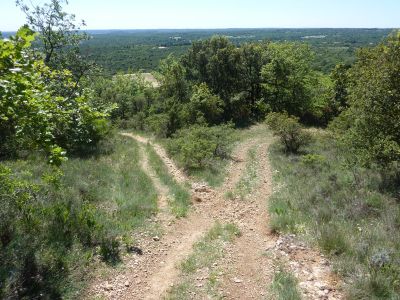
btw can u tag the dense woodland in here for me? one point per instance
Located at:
(142, 50)
(59, 116)
(121, 51)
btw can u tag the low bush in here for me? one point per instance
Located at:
(158, 124)
(37, 228)
(199, 146)
(289, 131)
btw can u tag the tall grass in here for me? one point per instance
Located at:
(115, 183)
(213, 175)
(348, 212)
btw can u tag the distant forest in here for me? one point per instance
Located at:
(135, 50)
(142, 50)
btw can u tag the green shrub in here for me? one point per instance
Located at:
(39, 225)
(289, 130)
(198, 146)
(135, 122)
(332, 240)
(158, 123)
(314, 161)
(109, 250)
(204, 106)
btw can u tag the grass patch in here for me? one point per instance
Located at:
(90, 211)
(180, 201)
(249, 178)
(285, 286)
(254, 131)
(349, 213)
(116, 184)
(205, 253)
(213, 175)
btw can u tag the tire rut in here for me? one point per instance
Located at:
(150, 275)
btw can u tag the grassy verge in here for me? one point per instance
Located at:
(115, 184)
(349, 213)
(89, 213)
(202, 263)
(213, 175)
(284, 286)
(180, 196)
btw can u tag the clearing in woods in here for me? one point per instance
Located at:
(243, 267)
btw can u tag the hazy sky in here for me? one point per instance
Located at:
(138, 14)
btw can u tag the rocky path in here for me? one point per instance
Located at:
(248, 270)
(248, 264)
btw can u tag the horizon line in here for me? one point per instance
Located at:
(222, 28)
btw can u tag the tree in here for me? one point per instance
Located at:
(216, 62)
(59, 39)
(204, 107)
(31, 115)
(370, 127)
(125, 92)
(321, 109)
(287, 77)
(253, 59)
(224, 68)
(173, 81)
(340, 78)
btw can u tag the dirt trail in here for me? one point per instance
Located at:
(249, 262)
(247, 269)
(177, 173)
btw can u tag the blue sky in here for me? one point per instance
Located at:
(140, 14)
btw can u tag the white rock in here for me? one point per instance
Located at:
(237, 280)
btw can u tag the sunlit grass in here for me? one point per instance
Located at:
(348, 213)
